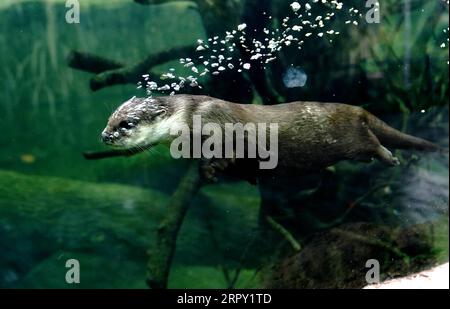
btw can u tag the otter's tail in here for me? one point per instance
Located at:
(395, 139)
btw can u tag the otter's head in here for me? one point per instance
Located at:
(138, 123)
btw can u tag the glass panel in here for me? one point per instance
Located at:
(148, 143)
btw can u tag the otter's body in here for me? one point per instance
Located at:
(311, 136)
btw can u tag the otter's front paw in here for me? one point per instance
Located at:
(210, 168)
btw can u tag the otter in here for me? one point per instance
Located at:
(311, 136)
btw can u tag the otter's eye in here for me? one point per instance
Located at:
(126, 125)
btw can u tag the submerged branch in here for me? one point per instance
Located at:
(110, 72)
(160, 258)
(91, 63)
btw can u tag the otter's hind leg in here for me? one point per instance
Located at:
(372, 148)
(385, 156)
(381, 152)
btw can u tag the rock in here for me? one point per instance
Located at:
(44, 217)
(337, 258)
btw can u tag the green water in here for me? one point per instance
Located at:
(55, 205)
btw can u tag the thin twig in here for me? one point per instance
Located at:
(373, 242)
(133, 74)
(284, 232)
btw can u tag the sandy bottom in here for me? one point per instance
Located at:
(435, 278)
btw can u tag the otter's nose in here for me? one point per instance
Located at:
(107, 138)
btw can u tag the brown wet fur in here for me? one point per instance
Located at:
(313, 136)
